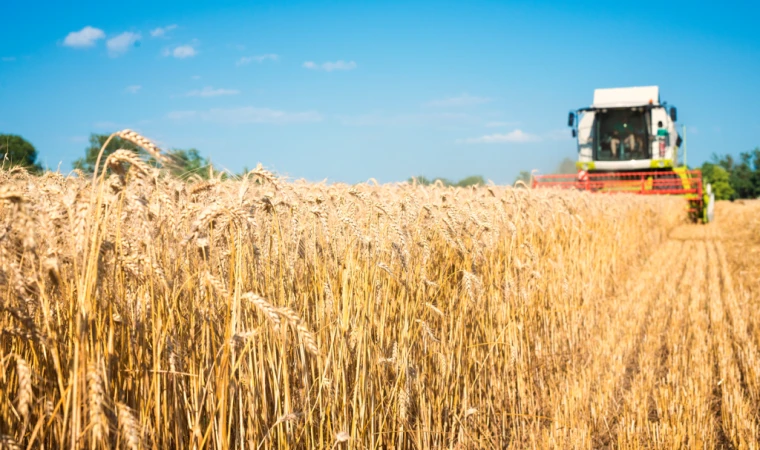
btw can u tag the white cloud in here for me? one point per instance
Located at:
(459, 101)
(209, 91)
(247, 115)
(497, 138)
(120, 44)
(330, 66)
(133, 89)
(161, 31)
(86, 37)
(259, 59)
(338, 65)
(184, 51)
(8, 58)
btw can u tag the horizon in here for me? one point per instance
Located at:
(347, 92)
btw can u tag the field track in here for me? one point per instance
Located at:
(682, 361)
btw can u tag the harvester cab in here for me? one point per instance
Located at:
(626, 129)
(628, 143)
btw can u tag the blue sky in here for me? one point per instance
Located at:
(355, 90)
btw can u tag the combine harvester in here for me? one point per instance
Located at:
(628, 143)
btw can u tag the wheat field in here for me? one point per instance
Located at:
(138, 310)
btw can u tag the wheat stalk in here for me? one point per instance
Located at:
(96, 403)
(417, 316)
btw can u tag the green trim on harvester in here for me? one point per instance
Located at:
(701, 215)
(660, 163)
(654, 164)
(681, 172)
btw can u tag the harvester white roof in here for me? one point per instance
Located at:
(626, 97)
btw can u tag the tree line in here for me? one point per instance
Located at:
(473, 180)
(566, 166)
(734, 178)
(18, 152)
(731, 178)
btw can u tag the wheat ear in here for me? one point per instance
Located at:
(24, 387)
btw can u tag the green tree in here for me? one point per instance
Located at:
(742, 177)
(183, 162)
(18, 152)
(523, 176)
(188, 162)
(87, 163)
(752, 159)
(743, 173)
(247, 169)
(420, 179)
(719, 179)
(567, 166)
(473, 180)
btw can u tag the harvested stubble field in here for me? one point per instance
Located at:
(142, 311)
